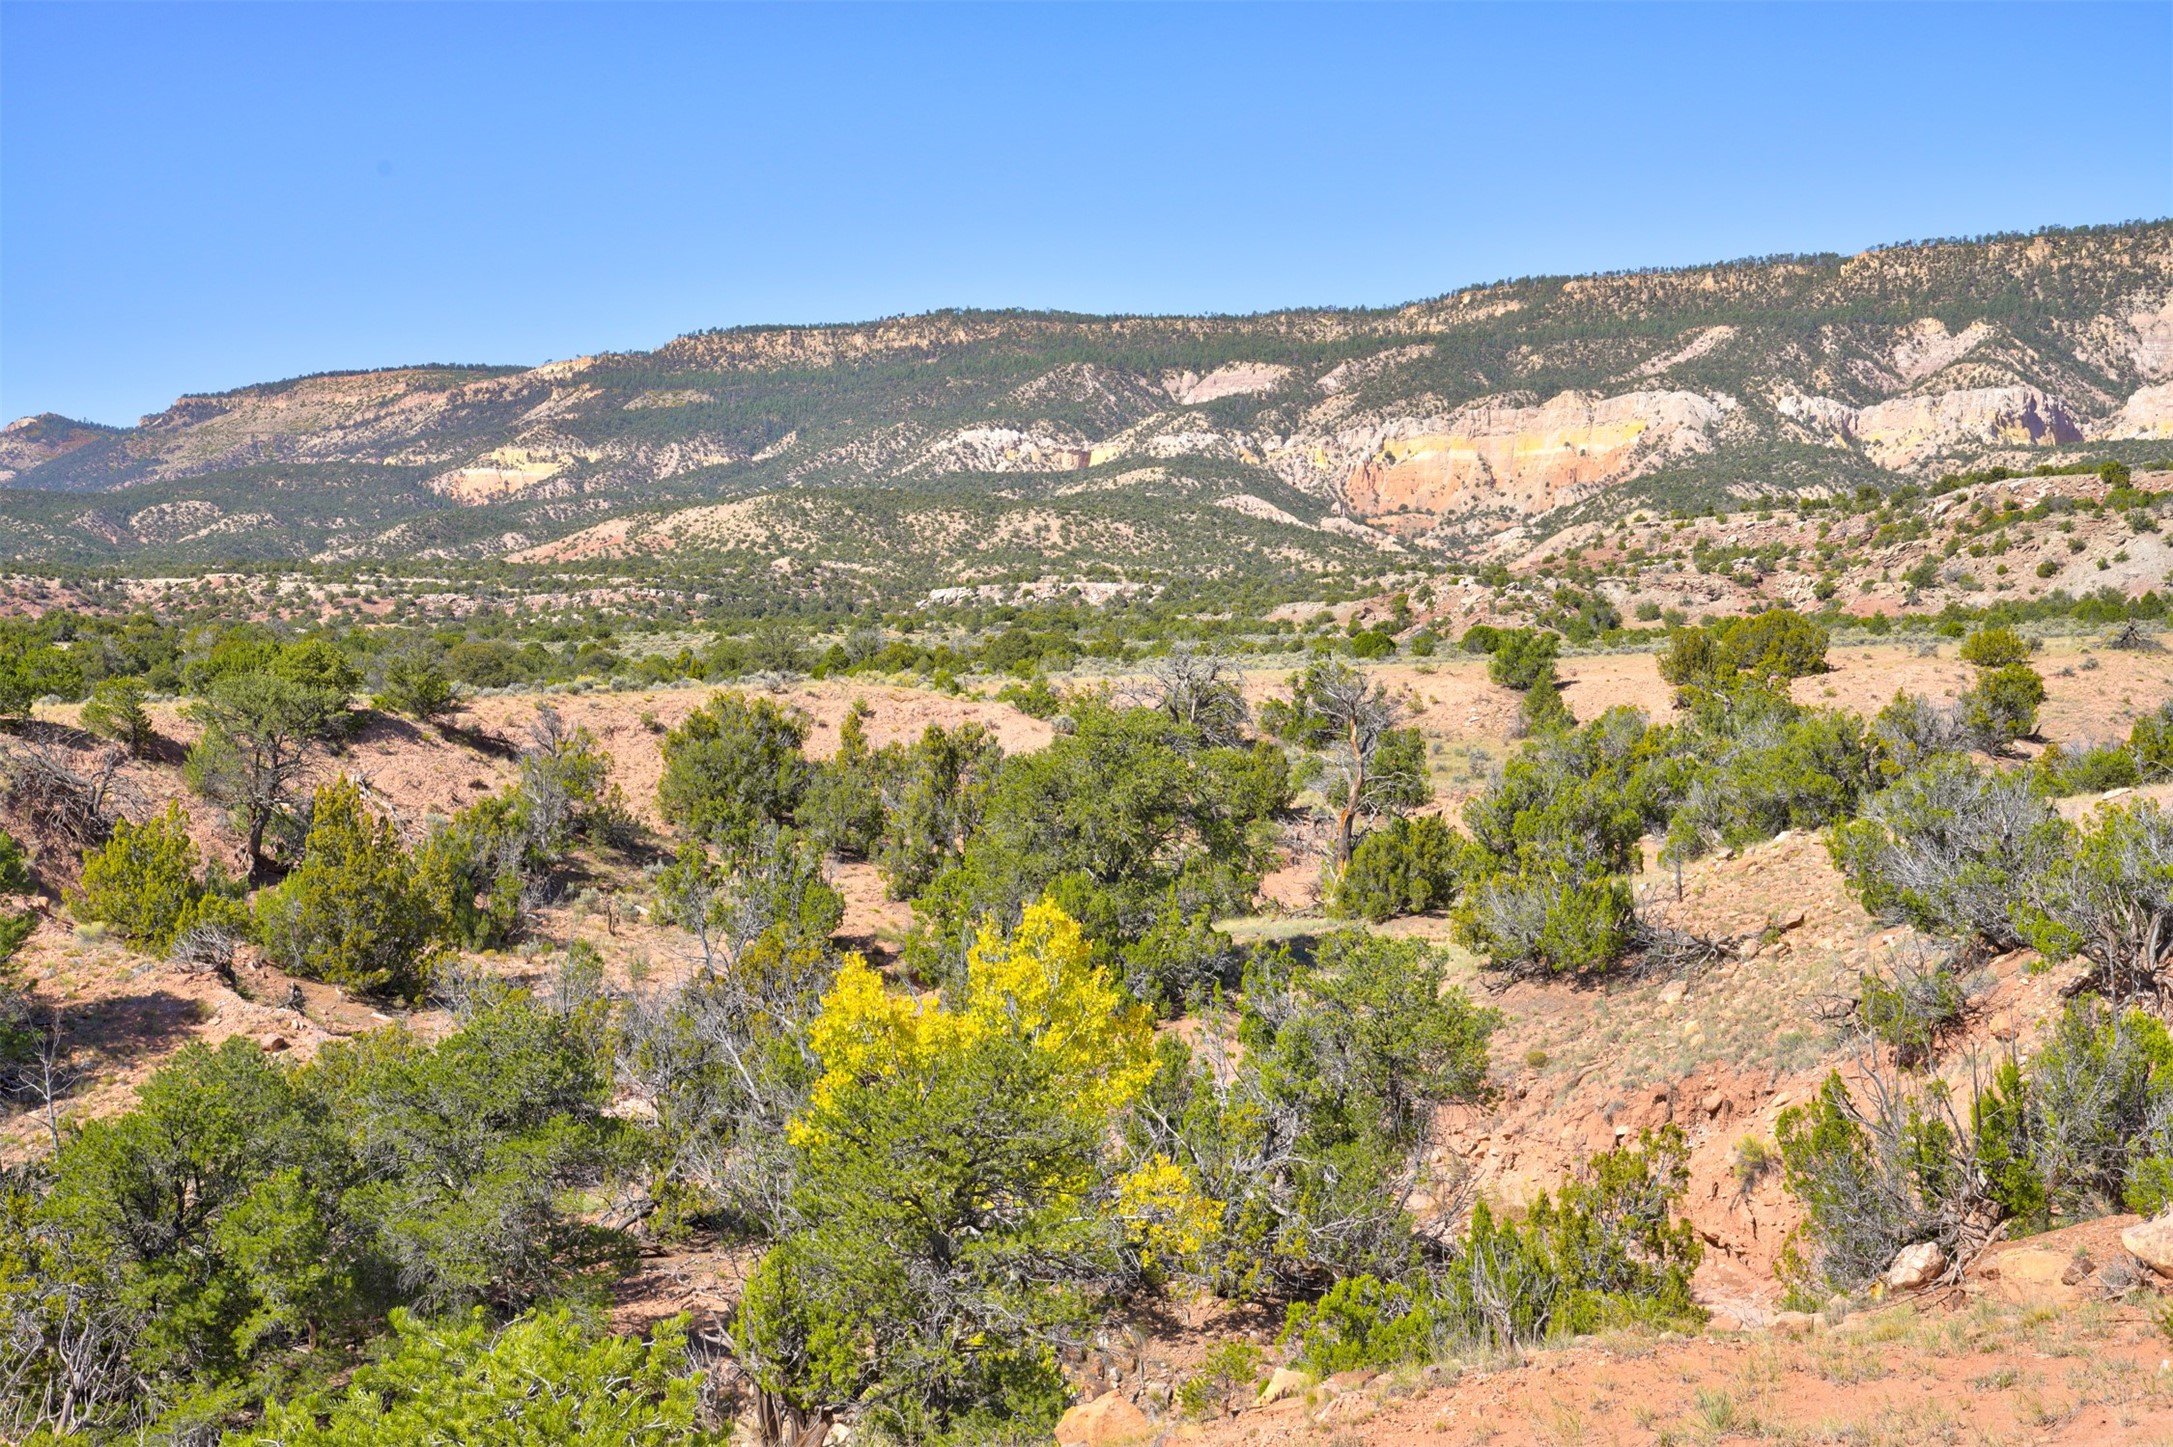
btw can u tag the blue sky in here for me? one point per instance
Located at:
(197, 198)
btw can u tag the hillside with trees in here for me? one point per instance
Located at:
(955, 447)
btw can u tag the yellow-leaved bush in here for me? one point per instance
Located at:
(1165, 1216)
(1039, 986)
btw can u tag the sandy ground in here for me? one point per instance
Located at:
(1970, 1366)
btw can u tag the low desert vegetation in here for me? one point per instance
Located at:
(1072, 1094)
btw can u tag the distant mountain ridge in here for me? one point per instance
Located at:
(956, 446)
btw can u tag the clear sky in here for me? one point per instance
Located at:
(196, 198)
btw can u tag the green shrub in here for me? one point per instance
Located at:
(2151, 741)
(1304, 1147)
(1522, 657)
(2104, 890)
(1373, 643)
(1179, 960)
(351, 913)
(565, 788)
(546, 1380)
(1365, 1323)
(488, 663)
(1524, 923)
(775, 896)
(1574, 801)
(1412, 866)
(1910, 1007)
(415, 682)
(30, 671)
(1229, 1375)
(1753, 1160)
(203, 1214)
(1761, 770)
(936, 790)
(474, 870)
(1872, 1179)
(248, 1222)
(144, 881)
(14, 928)
(1542, 710)
(2091, 769)
(1606, 1251)
(2083, 1128)
(1107, 820)
(2003, 706)
(842, 806)
(115, 711)
(15, 876)
(1036, 698)
(1995, 648)
(1763, 647)
(319, 665)
(1950, 849)
(262, 728)
(466, 1154)
(734, 768)
(1910, 731)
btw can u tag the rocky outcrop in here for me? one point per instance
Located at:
(1107, 1421)
(2151, 1242)
(1258, 507)
(2148, 340)
(1345, 375)
(1925, 347)
(2149, 413)
(1006, 449)
(1909, 430)
(29, 441)
(1916, 1267)
(1699, 345)
(1238, 379)
(1904, 432)
(1526, 458)
(499, 474)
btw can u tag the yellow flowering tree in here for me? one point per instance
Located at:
(957, 1201)
(1037, 987)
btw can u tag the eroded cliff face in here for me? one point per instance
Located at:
(2149, 413)
(1527, 459)
(1908, 431)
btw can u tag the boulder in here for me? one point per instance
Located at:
(2030, 1276)
(1107, 1421)
(1287, 1382)
(1794, 1323)
(1916, 1267)
(2151, 1242)
(1349, 1407)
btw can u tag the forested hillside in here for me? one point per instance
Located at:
(963, 446)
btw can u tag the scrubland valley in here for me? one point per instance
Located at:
(1582, 862)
